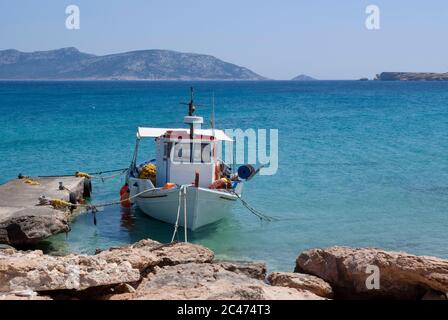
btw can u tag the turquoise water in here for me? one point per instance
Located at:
(360, 163)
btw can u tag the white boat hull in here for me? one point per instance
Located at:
(204, 206)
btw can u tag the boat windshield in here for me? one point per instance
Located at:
(201, 152)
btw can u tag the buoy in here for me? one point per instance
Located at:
(168, 185)
(124, 188)
(124, 199)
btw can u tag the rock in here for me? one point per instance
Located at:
(412, 76)
(349, 270)
(147, 254)
(5, 246)
(180, 252)
(23, 221)
(38, 272)
(256, 270)
(19, 297)
(124, 288)
(301, 281)
(284, 293)
(30, 225)
(25, 293)
(208, 281)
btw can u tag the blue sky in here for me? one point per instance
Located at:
(277, 39)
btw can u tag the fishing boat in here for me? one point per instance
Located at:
(186, 184)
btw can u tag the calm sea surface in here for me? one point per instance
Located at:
(360, 163)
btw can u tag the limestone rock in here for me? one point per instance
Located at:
(401, 275)
(301, 281)
(11, 296)
(30, 225)
(22, 221)
(35, 271)
(146, 254)
(208, 281)
(38, 272)
(256, 270)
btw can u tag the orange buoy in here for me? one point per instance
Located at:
(123, 189)
(168, 185)
(124, 198)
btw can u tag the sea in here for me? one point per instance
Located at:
(360, 163)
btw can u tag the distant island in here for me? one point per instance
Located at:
(412, 76)
(303, 77)
(71, 64)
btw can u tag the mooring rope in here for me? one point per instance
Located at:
(94, 207)
(97, 175)
(176, 225)
(256, 212)
(103, 178)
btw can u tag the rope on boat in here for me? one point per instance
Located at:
(182, 193)
(185, 215)
(94, 207)
(176, 225)
(257, 213)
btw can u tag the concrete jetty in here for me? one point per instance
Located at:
(23, 220)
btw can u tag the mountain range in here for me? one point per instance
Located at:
(72, 64)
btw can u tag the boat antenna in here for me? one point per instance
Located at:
(212, 125)
(191, 107)
(212, 118)
(191, 110)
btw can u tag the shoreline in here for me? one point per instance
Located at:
(150, 270)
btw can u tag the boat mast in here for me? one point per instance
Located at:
(192, 120)
(191, 109)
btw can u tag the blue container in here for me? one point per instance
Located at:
(246, 171)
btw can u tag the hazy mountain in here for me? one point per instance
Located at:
(303, 77)
(70, 63)
(412, 76)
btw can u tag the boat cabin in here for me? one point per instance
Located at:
(181, 154)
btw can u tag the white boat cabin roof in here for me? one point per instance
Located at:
(145, 132)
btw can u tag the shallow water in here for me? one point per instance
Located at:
(360, 163)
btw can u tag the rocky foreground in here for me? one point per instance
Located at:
(150, 270)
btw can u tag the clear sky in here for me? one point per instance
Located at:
(279, 39)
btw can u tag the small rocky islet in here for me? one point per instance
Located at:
(151, 270)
